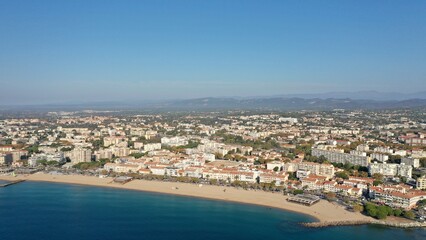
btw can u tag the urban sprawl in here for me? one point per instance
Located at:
(368, 161)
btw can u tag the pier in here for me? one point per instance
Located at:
(11, 183)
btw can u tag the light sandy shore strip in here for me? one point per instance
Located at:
(323, 211)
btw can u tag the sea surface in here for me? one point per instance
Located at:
(37, 210)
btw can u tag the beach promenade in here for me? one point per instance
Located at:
(323, 211)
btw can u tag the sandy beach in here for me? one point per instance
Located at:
(323, 211)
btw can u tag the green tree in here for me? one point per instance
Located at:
(370, 209)
(378, 176)
(421, 203)
(297, 191)
(42, 162)
(213, 181)
(321, 159)
(342, 174)
(372, 212)
(33, 149)
(98, 143)
(66, 149)
(397, 212)
(377, 182)
(52, 163)
(137, 155)
(383, 212)
(363, 174)
(409, 214)
(358, 208)
(389, 210)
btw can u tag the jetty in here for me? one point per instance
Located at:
(374, 222)
(335, 223)
(11, 183)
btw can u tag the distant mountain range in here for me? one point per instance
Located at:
(370, 100)
(360, 95)
(282, 103)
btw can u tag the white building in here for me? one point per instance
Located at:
(391, 169)
(358, 153)
(138, 145)
(229, 175)
(274, 164)
(57, 157)
(151, 147)
(325, 170)
(415, 162)
(174, 141)
(120, 151)
(302, 174)
(114, 140)
(103, 154)
(363, 148)
(288, 120)
(386, 150)
(421, 183)
(397, 199)
(158, 170)
(340, 157)
(379, 157)
(401, 153)
(78, 155)
(121, 168)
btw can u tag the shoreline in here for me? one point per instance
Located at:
(317, 220)
(324, 212)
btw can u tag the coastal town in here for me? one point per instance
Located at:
(372, 162)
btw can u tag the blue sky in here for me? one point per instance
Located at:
(82, 51)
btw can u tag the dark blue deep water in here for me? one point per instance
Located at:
(35, 210)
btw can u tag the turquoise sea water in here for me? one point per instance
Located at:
(36, 210)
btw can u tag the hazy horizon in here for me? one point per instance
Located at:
(363, 95)
(96, 51)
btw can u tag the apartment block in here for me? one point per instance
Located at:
(339, 157)
(391, 169)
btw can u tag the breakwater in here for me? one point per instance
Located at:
(401, 224)
(334, 223)
(354, 223)
(11, 183)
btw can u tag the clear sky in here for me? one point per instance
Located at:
(100, 50)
